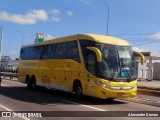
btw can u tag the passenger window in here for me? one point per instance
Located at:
(50, 52)
(40, 51)
(61, 50)
(72, 51)
(45, 52)
(22, 53)
(34, 53)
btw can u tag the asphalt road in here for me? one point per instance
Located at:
(14, 96)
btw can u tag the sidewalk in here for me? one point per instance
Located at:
(149, 87)
(153, 84)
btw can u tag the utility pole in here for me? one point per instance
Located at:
(108, 15)
(1, 38)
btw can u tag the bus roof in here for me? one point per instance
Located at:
(92, 37)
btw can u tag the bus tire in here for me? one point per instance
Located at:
(78, 89)
(28, 81)
(33, 82)
(109, 100)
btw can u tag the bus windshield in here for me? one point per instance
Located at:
(117, 63)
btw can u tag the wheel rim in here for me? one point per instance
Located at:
(28, 83)
(33, 85)
(78, 91)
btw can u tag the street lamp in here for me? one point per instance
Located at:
(25, 36)
(1, 38)
(22, 36)
(108, 15)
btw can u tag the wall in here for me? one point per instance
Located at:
(156, 71)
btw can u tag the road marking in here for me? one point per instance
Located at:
(12, 111)
(5, 108)
(99, 109)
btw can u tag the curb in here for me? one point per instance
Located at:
(142, 101)
(149, 88)
(149, 91)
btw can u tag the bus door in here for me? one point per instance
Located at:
(91, 71)
(72, 64)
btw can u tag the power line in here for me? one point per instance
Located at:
(143, 37)
(137, 43)
(131, 34)
(145, 43)
(1, 38)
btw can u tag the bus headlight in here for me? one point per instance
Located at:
(102, 84)
(115, 87)
(106, 86)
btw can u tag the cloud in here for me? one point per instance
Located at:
(48, 37)
(33, 16)
(155, 54)
(55, 19)
(88, 3)
(13, 52)
(30, 18)
(55, 11)
(137, 49)
(153, 51)
(155, 36)
(85, 2)
(54, 15)
(69, 13)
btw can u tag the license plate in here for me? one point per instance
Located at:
(120, 94)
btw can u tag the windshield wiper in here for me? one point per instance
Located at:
(126, 70)
(128, 74)
(113, 75)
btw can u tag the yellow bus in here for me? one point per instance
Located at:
(83, 64)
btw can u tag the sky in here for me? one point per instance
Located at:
(136, 21)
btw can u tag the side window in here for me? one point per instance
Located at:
(91, 63)
(50, 51)
(40, 51)
(61, 50)
(34, 53)
(27, 53)
(45, 51)
(84, 44)
(22, 53)
(72, 51)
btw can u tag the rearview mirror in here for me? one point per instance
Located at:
(141, 55)
(98, 53)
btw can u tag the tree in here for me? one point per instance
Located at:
(17, 59)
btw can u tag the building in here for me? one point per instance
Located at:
(5, 58)
(156, 70)
(8, 65)
(150, 69)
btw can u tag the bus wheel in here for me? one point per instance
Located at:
(28, 82)
(110, 99)
(33, 83)
(78, 91)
